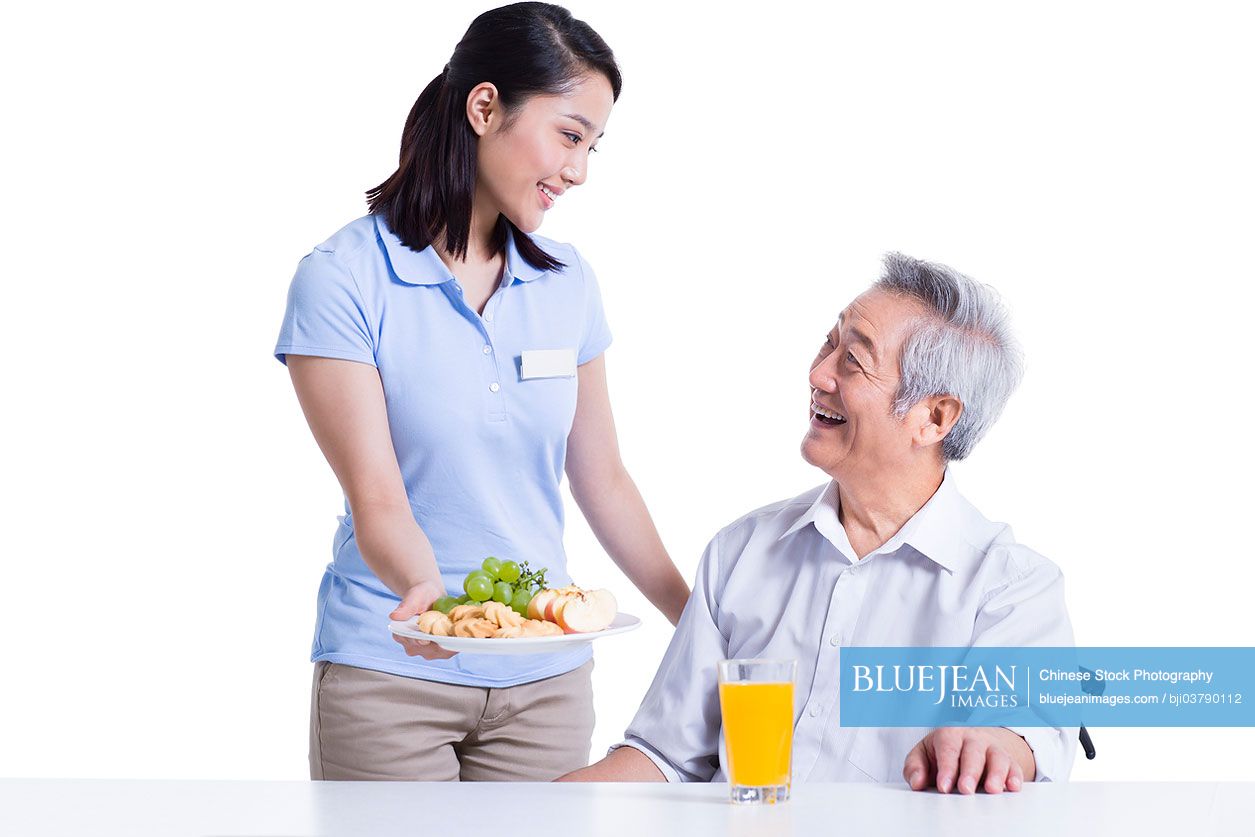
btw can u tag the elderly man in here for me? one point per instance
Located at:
(888, 553)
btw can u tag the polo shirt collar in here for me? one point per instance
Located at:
(515, 264)
(424, 267)
(413, 267)
(934, 531)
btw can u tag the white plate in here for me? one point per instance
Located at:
(622, 623)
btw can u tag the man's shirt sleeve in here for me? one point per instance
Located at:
(1030, 611)
(678, 723)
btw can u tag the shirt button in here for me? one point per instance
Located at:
(814, 713)
(836, 639)
(488, 350)
(494, 386)
(488, 316)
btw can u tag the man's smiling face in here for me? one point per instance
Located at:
(853, 432)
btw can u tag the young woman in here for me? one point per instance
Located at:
(409, 336)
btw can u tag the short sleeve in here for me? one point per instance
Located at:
(677, 725)
(596, 336)
(325, 316)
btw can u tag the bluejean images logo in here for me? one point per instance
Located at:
(966, 687)
(1054, 687)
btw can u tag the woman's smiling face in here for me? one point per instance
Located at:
(526, 161)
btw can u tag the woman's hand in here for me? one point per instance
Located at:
(416, 600)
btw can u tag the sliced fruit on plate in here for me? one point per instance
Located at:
(536, 607)
(554, 609)
(587, 611)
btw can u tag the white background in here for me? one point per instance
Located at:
(166, 165)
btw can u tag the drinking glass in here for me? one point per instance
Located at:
(756, 699)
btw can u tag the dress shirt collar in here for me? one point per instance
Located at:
(935, 531)
(424, 267)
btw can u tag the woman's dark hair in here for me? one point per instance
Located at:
(524, 49)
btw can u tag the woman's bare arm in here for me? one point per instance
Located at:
(610, 501)
(344, 404)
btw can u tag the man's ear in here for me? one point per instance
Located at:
(937, 417)
(483, 107)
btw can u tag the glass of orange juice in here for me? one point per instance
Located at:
(756, 698)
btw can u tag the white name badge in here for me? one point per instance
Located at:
(548, 363)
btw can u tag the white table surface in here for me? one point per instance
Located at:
(138, 808)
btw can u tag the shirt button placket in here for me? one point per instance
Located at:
(494, 374)
(496, 409)
(495, 386)
(827, 690)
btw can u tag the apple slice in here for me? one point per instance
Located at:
(536, 607)
(556, 604)
(608, 604)
(588, 612)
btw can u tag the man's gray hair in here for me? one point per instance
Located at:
(963, 348)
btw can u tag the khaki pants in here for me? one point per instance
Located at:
(367, 724)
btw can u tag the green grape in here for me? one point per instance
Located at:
(476, 574)
(444, 604)
(492, 566)
(462, 599)
(509, 572)
(502, 592)
(522, 598)
(479, 588)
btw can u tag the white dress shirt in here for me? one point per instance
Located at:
(783, 582)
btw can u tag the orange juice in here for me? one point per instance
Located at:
(758, 731)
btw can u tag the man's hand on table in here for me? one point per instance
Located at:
(968, 758)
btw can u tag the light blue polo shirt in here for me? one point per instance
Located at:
(481, 447)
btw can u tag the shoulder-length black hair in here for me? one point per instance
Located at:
(524, 49)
